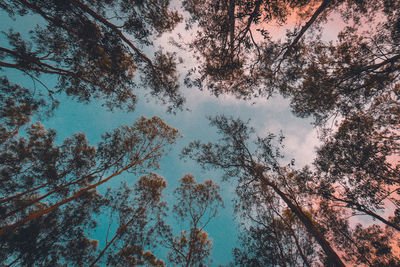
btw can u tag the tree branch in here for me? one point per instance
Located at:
(98, 17)
(308, 24)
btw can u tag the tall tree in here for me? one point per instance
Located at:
(93, 48)
(325, 80)
(232, 153)
(272, 234)
(355, 168)
(35, 169)
(236, 50)
(142, 224)
(196, 205)
(279, 203)
(365, 245)
(352, 81)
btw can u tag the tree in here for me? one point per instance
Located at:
(85, 44)
(48, 197)
(236, 51)
(270, 234)
(57, 236)
(35, 170)
(371, 245)
(142, 215)
(354, 168)
(352, 81)
(282, 207)
(232, 154)
(140, 212)
(328, 80)
(18, 105)
(199, 202)
(239, 56)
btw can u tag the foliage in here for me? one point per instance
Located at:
(18, 105)
(238, 55)
(48, 184)
(85, 45)
(49, 203)
(351, 82)
(142, 216)
(233, 46)
(196, 204)
(138, 211)
(282, 208)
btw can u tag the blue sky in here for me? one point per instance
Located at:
(272, 115)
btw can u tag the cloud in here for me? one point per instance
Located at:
(301, 144)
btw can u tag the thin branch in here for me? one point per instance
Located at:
(40, 213)
(98, 17)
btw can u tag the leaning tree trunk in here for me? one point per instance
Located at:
(306, 221)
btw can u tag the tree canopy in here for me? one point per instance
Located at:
(349, 85)
(94, 48)
(282, 207)
(55, 193)
(239, 55)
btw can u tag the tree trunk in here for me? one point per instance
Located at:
(329, 251)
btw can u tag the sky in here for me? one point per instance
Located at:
(266, 115)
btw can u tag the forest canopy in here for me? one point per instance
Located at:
(54, 193)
